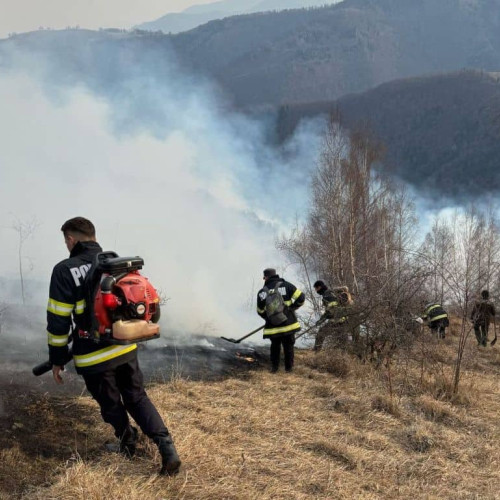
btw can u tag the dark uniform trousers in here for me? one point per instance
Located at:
(288, 341)
(481, 331)
(438, 328)
(121, 390)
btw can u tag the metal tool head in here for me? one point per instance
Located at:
(230, 340)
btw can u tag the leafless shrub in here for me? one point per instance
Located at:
(360, 233)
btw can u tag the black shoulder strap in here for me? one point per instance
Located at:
(91, 285)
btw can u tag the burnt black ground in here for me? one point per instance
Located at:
(183, 355)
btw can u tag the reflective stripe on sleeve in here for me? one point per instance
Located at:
(332, 304)
(296, 295)
(282, 329)
(59, 308)
(80, 307)
(441, 316)
(57, 340)
(261, 311)
(96, 357)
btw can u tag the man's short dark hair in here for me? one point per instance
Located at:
(79, 225)
(320, 284)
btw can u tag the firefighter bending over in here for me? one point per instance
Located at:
(482, 314)
(111, 372)
(334, 317)
(277, 302)
(436, 318)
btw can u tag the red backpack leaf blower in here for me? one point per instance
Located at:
(122, 306)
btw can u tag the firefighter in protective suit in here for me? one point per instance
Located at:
(282, 333)
(436, 318)
(334, 313)
(483, 313)
(111, 372)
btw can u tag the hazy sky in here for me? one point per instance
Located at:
(28, 15)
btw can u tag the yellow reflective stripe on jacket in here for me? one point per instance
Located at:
(296, 295)
(59, 308)
(261, 311)
(441, 316)
(282, 329)
(96, 357)
(57, 340)
(432, 307)
(80, 307)
(332, 304)
(287, 303)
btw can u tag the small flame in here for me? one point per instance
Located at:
(245, 358)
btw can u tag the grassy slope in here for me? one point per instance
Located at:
(312, 434)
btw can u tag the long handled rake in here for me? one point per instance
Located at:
(237, 341)
(306, 331)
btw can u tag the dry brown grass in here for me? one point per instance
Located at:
(307, 435)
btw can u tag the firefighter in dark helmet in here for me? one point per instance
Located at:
(483, 313)
(334, 317)
(277, 302)
(436, 318)
(111, 372)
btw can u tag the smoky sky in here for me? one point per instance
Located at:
(29, 15)
(164, 171)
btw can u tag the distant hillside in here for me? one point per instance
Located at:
(442, 133)
(322, 54)
(200, 14)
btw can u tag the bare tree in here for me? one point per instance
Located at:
(359, 225)
(462, 255)
(25, 230)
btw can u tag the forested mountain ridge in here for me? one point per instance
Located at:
(322, 54)
(200, 14)
(308, 55)
(441, 133)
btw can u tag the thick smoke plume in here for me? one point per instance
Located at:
(162, 170)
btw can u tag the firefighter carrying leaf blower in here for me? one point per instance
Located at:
(113, 307)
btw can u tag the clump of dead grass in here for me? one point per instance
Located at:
(333, 451)
(417, 438)
(332, 361)
(386, 404)
(437, 411)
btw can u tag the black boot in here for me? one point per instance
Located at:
(127, 444)
(170, 461)
(128, 441)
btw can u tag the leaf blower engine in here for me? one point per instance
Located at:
(124, 306)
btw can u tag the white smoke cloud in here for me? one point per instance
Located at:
(192, 199)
